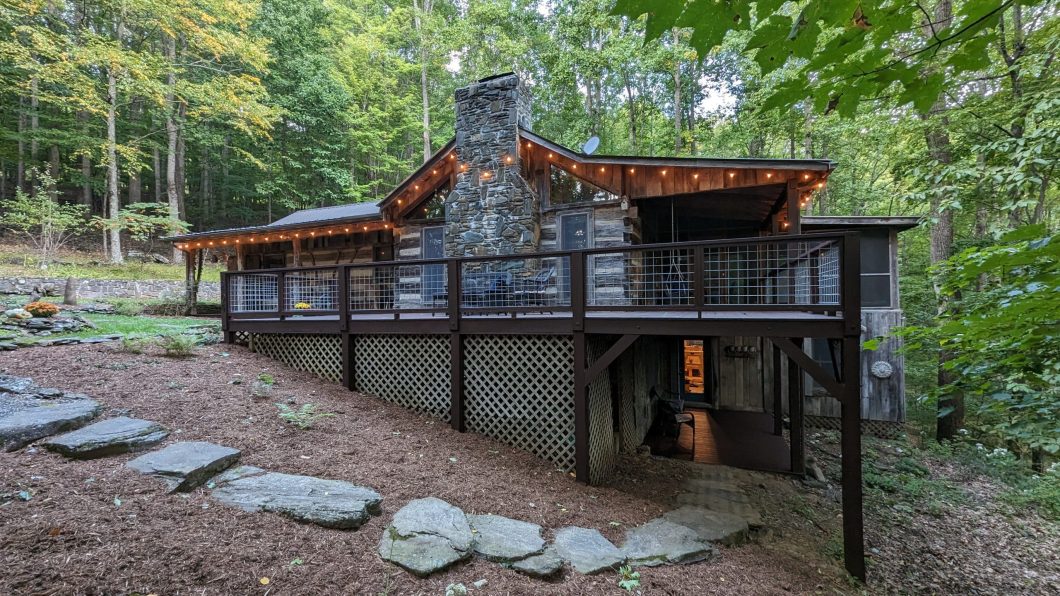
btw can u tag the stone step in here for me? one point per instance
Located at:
(186, 465)
(711, 526)
(44, 418)
(587, 550)
(661, 542)
(327, 503)
(108, 437)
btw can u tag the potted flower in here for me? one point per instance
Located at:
(42, 310)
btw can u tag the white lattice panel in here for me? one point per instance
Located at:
(520, 390)
(409, 370)
(318, 354)
(603, 445)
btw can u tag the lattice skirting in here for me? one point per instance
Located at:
(603, 439)
(520, 390)
(241, 338)
(409, 370)
(318, 354)
(884, 429)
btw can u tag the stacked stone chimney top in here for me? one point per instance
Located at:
(492, 209)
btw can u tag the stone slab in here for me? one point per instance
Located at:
(327, 503)
(185, 465)
(502, 540)
(108, 437)
(544, 565)
(712, 526)
(426, 536)
(662, 542)
(22, 427)
(587, 550)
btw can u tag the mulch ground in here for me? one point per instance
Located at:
(95, 527)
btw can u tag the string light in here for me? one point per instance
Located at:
(485, 175)
(631, 170)
(575, 166)
(732, 174)
(695, 176)
(805, 176)
(508, 159)
(434, 171)
(601, 168)
(664, 172)
(769, 174)
(820, 185)
(550, 156)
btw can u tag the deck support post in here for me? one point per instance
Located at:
(581, 410)
(349, 380)
(456, 347)
(456, 378)
(794, 209)
(778, 393)
(798, 434)
(850, 409)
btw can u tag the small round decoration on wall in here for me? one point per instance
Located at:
(882, 370)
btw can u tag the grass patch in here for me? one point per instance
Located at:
(140, 326)
(18, 261)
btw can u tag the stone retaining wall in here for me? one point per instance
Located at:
(95, 289)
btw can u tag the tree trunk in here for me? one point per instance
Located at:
(34, 125)
(113, 202)
(417, 17)
(156, 169)
(20, 174)
(677, 93)
(172, 132)
(135, 187)
(53, 172)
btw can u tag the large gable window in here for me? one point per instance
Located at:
(433, 206)
(567, 189)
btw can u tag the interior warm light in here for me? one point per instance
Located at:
(785, 224)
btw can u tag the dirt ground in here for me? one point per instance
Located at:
(94, 527)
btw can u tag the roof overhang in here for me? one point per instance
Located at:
(270, 229)
(830, 222)
(819, 165)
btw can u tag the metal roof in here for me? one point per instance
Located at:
(324, 214)
(321, 215)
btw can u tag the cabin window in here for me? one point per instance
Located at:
(567, 189)
(876, 275)
(433, 247)
(574, 231)
(433, 206)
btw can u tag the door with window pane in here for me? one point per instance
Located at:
(573, 235)
(433, 247)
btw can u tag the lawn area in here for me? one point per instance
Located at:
(138, 326)
(935, 523)
(21, 261)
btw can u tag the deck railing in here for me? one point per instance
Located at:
(789, 273)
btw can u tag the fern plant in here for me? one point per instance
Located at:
(304, 417)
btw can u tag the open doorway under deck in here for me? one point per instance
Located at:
(738, 439)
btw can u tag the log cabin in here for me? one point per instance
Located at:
(562, 302)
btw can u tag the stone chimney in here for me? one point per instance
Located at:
(492, 209)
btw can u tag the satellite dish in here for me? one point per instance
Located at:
(591, 145)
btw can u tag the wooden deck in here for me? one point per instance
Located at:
(739, 439)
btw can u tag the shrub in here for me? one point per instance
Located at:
(303, 417)
(127, 307)
(178, 346)
(42, 309)
(132, 345)
(628, 579)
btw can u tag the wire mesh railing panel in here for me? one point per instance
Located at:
(516, 283)
(643, 278)
(253, 292)
(311, 289)
(780, 273)
(399, 287)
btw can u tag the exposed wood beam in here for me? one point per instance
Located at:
(609, 356)
(803, 360)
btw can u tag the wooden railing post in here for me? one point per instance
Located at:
(698, 288)
(453, 293)
(577, 289)
(280, 291)
(343, 298)
(227, 335)
(456, 346)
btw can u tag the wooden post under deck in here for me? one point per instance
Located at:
(778, 393)
(850, 412)
(795, 403)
